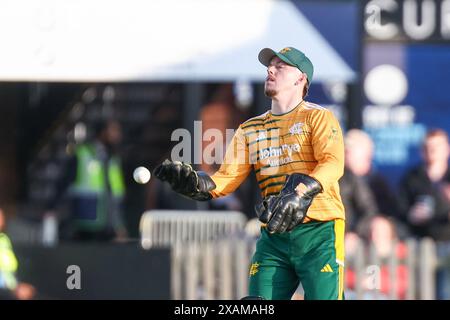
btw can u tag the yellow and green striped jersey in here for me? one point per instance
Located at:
(307, 140)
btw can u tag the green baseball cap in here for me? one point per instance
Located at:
(291, 56)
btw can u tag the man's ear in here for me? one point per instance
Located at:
(301, 77)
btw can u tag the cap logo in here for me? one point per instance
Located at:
(283, 51)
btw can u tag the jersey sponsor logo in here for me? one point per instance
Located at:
(280, 161)
(327, 268)
(270, 152)
(296, 128)
(278, 151)
(254, 268)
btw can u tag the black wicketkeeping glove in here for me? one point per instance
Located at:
(185, 180)
(287, 210)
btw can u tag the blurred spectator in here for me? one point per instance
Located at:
(380, 232)
(10, 287)
(220, 114)
(359, 156)
(93, 174)
(357, 197)
(425, 200)
(425, 190)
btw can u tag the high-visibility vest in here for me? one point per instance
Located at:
(8, 263)
(90, 177)
(90, 182)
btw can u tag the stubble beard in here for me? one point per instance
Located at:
(270, 93)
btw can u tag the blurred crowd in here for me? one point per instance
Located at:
(385, 217)
(419, 207)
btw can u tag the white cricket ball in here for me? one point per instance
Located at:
(141, 175)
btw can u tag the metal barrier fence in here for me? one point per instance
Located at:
(166, 227)
(219, 270)
(211, 256)
(23, 231)
(44, 232)
(211, 270)
(395, 276)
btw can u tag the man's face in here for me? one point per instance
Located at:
(281, 78)
(113, 133)
(436, 149)
(359, 158)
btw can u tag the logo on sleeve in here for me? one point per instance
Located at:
(333, 134)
